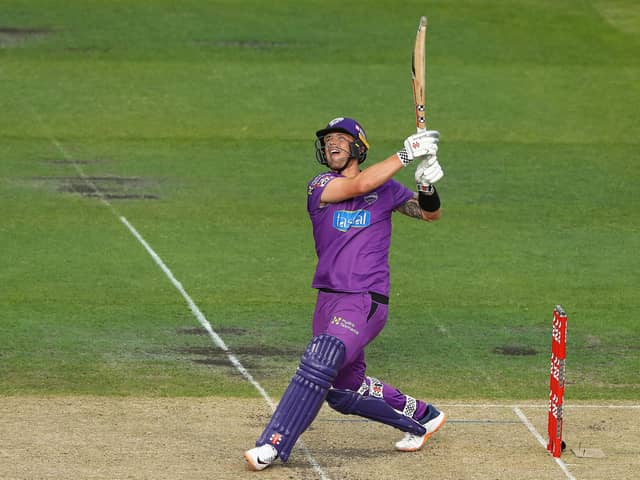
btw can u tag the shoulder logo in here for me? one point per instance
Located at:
(319, 181)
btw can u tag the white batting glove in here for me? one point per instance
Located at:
(419, 145)
(428, 172)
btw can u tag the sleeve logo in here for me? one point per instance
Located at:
(319, 182)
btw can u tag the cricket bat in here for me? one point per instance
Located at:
(418, 75)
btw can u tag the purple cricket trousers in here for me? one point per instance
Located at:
(356, 319)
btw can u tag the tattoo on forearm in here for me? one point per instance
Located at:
(411, 208)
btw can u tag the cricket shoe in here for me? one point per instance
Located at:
(432, 421)
(261, 457)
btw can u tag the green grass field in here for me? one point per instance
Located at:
(197, 120)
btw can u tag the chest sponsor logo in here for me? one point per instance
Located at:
(343, 220)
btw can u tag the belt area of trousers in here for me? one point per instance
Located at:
(376, 297)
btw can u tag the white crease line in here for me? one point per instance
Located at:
(199, 315)
(192, 305)
(216, 338)
(534, 432)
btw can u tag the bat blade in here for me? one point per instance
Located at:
(418, 75)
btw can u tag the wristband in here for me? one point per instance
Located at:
(403, 155)
(429, 201)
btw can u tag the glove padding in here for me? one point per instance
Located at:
(419, 144)
(428, 172)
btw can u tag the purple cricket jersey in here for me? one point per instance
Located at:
(353, 237)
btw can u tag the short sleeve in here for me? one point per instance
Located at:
(401, 194)
(315, 189)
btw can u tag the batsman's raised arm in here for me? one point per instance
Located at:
(345, 187)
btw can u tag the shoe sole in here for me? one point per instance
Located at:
(426, 437)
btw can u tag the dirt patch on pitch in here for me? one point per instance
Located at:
(57, 161)
(252, 355)
(245, 44)
(110, 187)
(203, 438)
(199, 331)
(17, 36)
(514, 350)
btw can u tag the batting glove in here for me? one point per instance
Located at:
(419, 145)
(428, 172)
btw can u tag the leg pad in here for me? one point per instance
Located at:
(303, 398)
(349, 402)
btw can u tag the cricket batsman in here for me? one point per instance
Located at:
(350, 210)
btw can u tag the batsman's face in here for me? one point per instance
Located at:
(337, 148)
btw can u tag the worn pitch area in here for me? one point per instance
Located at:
(198, 438)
